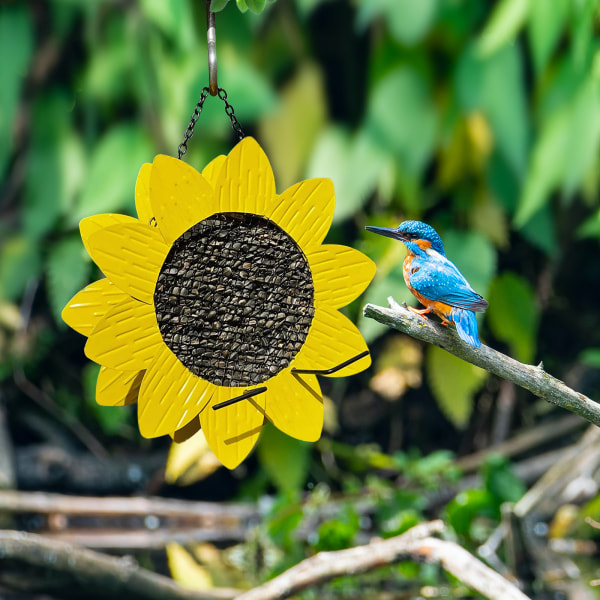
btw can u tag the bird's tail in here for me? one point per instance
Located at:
(466, 325)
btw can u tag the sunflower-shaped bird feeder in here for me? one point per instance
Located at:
(220, 302)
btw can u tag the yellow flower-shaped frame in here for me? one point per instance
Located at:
(149, 261)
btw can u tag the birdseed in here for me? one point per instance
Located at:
(234, 299)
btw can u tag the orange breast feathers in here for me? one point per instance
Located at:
(439, 308)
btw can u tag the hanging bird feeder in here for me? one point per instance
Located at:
(220, 303)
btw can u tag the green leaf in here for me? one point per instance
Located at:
(285, 459)
(474, 256)
(494, 86)
(465, 507)
(508, 18)
(408, 21)
(20, 263)
(565, 151)
(68, 269)
(540, 231)
(454, 383)
(55, 172)
(16, 48)
(355, 164)
(338, 533)
(256, 6)
(500, 480)
(218, 5)
(404, 92)
(172, 17)
(114, 165)
(545, 27)
(513, 315)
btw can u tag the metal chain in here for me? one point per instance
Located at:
(189, 132)
(230, 113)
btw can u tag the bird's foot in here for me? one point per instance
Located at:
(420, 311)
(444, 323)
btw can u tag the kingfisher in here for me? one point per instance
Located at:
(435, 281)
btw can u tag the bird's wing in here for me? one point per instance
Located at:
(437, 278)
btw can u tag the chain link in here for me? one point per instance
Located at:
(230, 113)
(189, 132)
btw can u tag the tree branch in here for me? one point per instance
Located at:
(415, 544)
(75, 572)
(534, 379)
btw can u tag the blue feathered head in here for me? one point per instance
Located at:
(410, 232)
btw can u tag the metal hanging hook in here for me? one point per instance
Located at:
(211, 38)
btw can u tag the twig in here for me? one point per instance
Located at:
(534, 379)
(73, 572)
(415, 544)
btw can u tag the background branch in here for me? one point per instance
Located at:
(532, 378)
(416, 544)
(55, 567)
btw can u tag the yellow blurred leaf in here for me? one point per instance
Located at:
(398, 368)
(186, 571)
(330, 418)
(289, 133)
(190, 461)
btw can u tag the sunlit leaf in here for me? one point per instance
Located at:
(508, 18)
(408, 21)
(356, 165)
(402, 117)
(545, 26)
(114, 166)
(454, 383)
(513, 315)
(565, 150)
(67, 268)
(285, 459)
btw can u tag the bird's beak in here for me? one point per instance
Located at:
(386, 231)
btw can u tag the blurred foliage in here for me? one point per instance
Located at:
(482, 119)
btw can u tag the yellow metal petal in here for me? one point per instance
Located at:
(232, 431)
(142, 194)
(305, 211)
(340, 274)
(179, 195)
(171, 395)
(332, 339)
(294, 404)
(186, 432)
(127, 338)
(245, 182)
(90, 225)
(117, 388)
(87, 307)
(213, 168)
(130, 256)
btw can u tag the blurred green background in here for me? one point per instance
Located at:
(480, 118)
